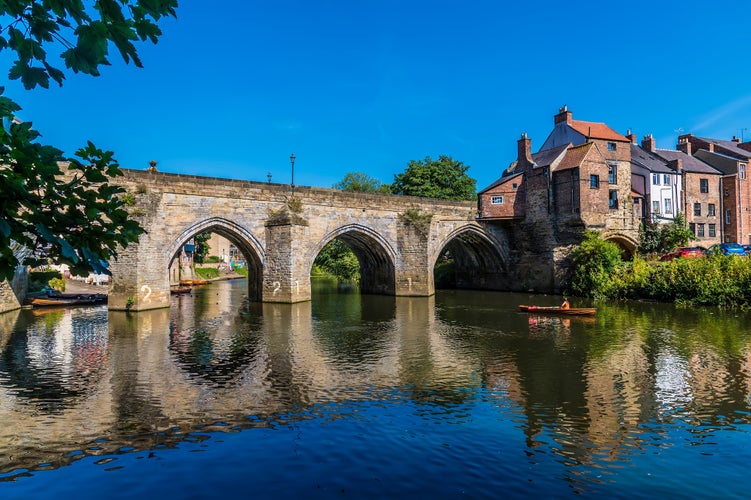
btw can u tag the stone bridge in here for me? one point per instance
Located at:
(397, 239)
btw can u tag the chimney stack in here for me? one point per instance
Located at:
(631, 137)
(684, 143)
(736, 139)
(564, 115)
(524, 148)
(676, 165)
(648, 143)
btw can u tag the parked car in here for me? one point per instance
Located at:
(683, 252)
(726, 249)
(747, 249)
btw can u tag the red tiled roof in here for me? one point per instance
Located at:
(574, 156)
(596, 130)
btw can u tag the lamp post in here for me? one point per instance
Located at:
(268, 176)
(292, 161)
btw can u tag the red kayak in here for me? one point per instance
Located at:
(572, 311)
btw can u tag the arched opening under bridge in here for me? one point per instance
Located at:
(237, 253)
(372, 266)
(470, 259)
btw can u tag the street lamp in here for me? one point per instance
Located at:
(292, 161)
(268, 176)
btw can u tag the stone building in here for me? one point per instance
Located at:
(580, 179)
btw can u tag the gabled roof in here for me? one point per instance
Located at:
(596, 130)
(644, 159)
(730, 147)
(549, 156)
(689, 163)
(500, 181)
(575, 156)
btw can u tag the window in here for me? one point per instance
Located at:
(613, 199)
(700, 230)
(712, 231)
(656, 207)
(666, 179)
(711, 210)
(656, 179)
(514, 186)
(612, 174)
(742, 170)
(594, 182)
(697, 208)
(496, 200)
(611, 146)
(692, 228)
(727, 217)
(704, 185)
(668, 206)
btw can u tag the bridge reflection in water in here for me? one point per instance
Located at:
(595, 394)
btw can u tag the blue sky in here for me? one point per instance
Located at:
(346, 86)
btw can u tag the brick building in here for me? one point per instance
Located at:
(701, 201)
(731, 159)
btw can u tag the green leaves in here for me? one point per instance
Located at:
(443, 178)
(33, 24)
(359, 182)
(72, 216)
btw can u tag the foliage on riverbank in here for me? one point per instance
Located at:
(336, 260)
(38, 280)
(599, 272)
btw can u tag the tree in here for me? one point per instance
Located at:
(338, 260)
(657, 238)
(444, 178)
(359, 182)
(202, 247)
(77, 219)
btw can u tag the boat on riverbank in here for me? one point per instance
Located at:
(572, 311)
(180, 290)
(194, 282)
(63, 299)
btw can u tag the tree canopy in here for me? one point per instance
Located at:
(444, 178)
(359, 182)
(77, 218)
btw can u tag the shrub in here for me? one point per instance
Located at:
(594, 262)
(40, 279)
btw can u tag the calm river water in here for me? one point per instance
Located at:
(367, 396)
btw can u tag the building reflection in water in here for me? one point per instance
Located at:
(85, 380)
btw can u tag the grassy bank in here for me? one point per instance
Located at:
(717, 280)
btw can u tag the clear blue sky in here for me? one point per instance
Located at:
(233, 88)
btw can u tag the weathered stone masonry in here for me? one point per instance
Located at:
(281, 242)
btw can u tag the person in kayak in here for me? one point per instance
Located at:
(565, 304)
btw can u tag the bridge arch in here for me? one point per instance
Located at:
(479, 258)
(245, 242)
(374, 253)
(626, 243)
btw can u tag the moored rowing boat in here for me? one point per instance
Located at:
(572, 311)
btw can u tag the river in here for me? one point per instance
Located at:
(371, 396)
